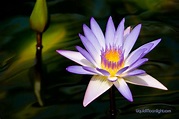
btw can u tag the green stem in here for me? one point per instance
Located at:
(39, 49)
(38, 69)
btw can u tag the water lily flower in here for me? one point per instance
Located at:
(110, 60)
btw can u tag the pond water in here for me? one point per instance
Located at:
(59, 92)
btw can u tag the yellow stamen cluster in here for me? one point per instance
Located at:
(112, 56)
(111, 60)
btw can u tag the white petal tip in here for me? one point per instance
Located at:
(84, 104)
(146, 80)
(163, 88)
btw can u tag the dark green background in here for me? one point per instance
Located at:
(62, 92)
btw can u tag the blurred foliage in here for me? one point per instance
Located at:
(63, 91)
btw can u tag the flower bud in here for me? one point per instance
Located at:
(39, 16)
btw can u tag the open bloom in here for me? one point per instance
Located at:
(110, 60)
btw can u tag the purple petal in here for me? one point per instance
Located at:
(133, 57)
(145, 80)
(97, 86)
(78, 70)
(147, 47)
(110, 31)
(97, 32)
(154, 44)
(119, 34)
(133, 73)
(92, 38)
(92, 70)
(121, 71)
(127, 32)
(130, 40)
(86, 55)
(137, 64)
(123, 89)
(75, 56)
(91, 49)
(104, 72)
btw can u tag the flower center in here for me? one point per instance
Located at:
(112, 60)
(112, 55)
